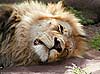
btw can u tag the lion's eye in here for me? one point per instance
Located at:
(60, 28)
(37, 42)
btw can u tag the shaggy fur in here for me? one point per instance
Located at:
(32, 32)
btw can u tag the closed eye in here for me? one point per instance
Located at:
(60, 29)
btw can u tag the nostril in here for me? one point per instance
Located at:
(37, 42)
(57, 45)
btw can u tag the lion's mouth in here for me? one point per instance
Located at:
(52, 52)
(57, 45)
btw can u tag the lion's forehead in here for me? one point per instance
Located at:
(43, 25)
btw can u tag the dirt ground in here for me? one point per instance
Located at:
(91, 30)
(91, 61)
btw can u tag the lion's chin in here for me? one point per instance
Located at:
(42, 52)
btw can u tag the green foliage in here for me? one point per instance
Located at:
(76, 70)
(78, 14)
(95, 42)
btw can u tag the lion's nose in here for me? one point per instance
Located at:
(57, 45)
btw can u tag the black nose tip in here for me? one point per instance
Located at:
(57, 45)
(45, 62)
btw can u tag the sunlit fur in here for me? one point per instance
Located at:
(32, 20)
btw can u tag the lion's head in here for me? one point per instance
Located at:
(39, 33)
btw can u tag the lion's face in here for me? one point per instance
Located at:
(50, 39)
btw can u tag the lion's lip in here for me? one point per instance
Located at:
(55, 44)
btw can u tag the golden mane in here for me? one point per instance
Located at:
(15, 48)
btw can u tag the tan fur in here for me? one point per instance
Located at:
(28, 14)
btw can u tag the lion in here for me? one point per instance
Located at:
(36, 33)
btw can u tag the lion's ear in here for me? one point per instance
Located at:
(5, 13)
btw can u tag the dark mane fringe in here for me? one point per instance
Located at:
(6, 21)
(5, 13)
(7, 31)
